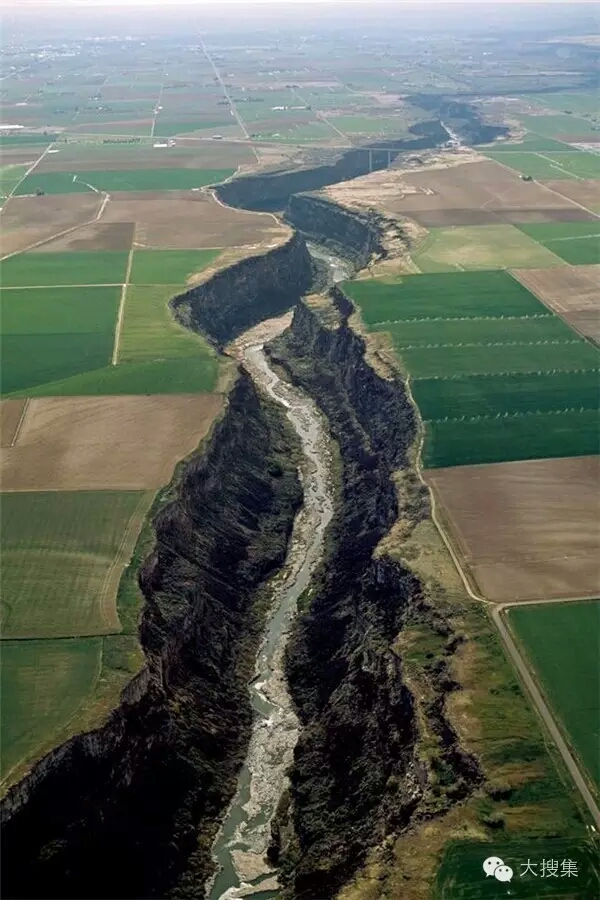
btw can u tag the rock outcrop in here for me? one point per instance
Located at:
(353, 235)
(244, 294)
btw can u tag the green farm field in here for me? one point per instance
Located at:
(530, 144)
(390, 126)
(44, 684)
(166, 179)
(483, 247)
(61, 558)
(29, 361)
(448, 332)
(150, 331)
(18, 140)
(166, 127)
(561, 641)
(444, 296)
(505, 395)
(168, 267)
(551, 164)
(56, 310)
(184, 375)
(490, 440)
(578, 243)
(447, 362)
(461, 876)
(47, 269)
(309, 131)
(564, 127)
(10, 176)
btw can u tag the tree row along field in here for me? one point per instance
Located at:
(496, 375)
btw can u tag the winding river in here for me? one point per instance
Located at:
(240, 847)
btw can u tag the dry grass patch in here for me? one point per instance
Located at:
(11, 415)
(99, 236)
(190, 220)
(105, 443)
(468, 193)
(26, 220)
(584, 191)
(571, 291)
(527, 530)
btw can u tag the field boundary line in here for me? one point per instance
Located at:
(530, 678)
(557, 193)
(232, 105)
(495, 610)
(212, 192)
(62, 287)
(134, 524)
(121, 312)
(30, 170)
(54, 237)
(20, 422)
(556, 165)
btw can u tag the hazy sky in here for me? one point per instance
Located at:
(200, 3)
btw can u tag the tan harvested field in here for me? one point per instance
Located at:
(526, 530)
(586, 192)
(20, 156)
(11, 413)
(105, 443)
(571, 291)
(470, 193)
(100, 236)
(26, 220)
(187, 154)
(188, 220)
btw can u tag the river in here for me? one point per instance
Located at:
(240, 847)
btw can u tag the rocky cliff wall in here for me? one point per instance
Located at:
(351, 234)
(247, 292)
(357, 773)
(272, 190)
(129, 811)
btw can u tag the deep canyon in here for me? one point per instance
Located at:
(134, 808)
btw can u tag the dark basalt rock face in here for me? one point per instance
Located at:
(350, 234)
(130, 810)
(462, 117)
(356, 775)
(273, 190)
(247, 292)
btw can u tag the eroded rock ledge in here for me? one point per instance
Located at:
(130, 809)
(238, 297)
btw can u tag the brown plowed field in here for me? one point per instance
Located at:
(571, 291)
(105, 443)
(113, 236)
(25, 220)
(11, 412)
(476, 193)
(186, 220)
(526, 530)
(20, 156)
(581, 191)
